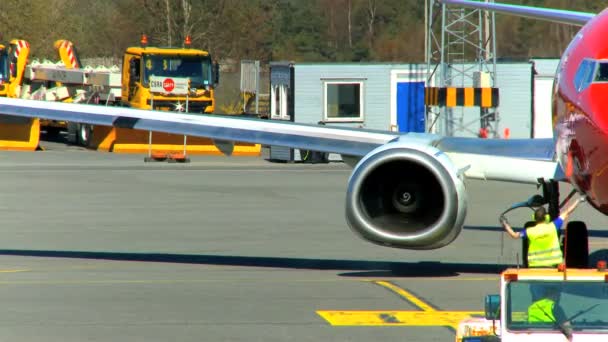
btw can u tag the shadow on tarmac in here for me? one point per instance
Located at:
(354, 268)
(600, 233)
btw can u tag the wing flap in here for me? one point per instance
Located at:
(532, 149)
(517, 160)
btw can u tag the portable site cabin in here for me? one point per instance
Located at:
(390, 97)
(380, 96)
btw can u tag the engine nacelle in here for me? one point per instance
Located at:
(406, 196)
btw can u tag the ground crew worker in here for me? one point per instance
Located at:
(543, 248)
(545, 308)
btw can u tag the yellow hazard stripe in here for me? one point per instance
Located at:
(450, 97)
(486, 97)
(467, 97)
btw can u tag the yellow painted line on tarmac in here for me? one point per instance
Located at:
(427, 316)
(406, 295)
(397, 318)
(13, 271)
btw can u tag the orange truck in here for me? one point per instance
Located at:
(159, 78)
(16, 133)
(13, 60)
(544, 304)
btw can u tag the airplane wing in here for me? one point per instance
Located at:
(223, 128)
(406, 191)
(517, 160)
(548, 14)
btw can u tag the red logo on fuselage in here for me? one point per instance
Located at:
(168, 85)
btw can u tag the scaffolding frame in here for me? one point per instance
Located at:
(460, 51)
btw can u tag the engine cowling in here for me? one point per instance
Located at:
(406, 196)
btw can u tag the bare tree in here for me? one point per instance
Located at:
(371, 18)
(168, 19)
(350, 23)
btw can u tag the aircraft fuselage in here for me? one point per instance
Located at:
(580, 109)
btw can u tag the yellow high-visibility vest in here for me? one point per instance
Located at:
(543, 248)
(541, 311)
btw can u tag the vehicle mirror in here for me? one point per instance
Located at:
(536, 201)
(492, 307)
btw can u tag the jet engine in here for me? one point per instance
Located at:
(406, 196)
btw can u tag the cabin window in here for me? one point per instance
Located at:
(4, 76)
(584, 74)
(602, 72)
(343, 101)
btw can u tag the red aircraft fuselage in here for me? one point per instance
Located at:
(580, 109)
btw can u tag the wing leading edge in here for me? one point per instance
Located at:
(350, 142)
(548, 14)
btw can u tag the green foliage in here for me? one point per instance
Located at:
(313, 30)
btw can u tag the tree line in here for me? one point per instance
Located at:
(296, 30)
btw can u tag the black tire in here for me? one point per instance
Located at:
(84, 135)
(525, 244)
(72, 136)
(576, 252)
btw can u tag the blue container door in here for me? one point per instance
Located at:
(410, 106)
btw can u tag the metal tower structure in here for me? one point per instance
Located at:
(460, 52)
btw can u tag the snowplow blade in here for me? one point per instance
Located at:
(126, 140)
(19, 134)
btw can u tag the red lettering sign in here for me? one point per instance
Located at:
(168, 85)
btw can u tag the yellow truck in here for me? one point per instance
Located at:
(168, 79)
(69, 57)
(172, 80)
(159, 78)
(16, 133)
(13, 60)
(544, 304)
(143, 64)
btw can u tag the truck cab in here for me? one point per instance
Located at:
(143, 65)
(544, 305)
(13, 60)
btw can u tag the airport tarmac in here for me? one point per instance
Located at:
(105, 247)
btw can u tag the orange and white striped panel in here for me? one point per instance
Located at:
(19, 45)
(69, 49)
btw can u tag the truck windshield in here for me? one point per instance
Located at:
(546, 305)
(195, 68)
(4, 71)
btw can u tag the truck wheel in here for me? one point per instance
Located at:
(84, 135)
(524, 245)
(577, 248)
(72, 136)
